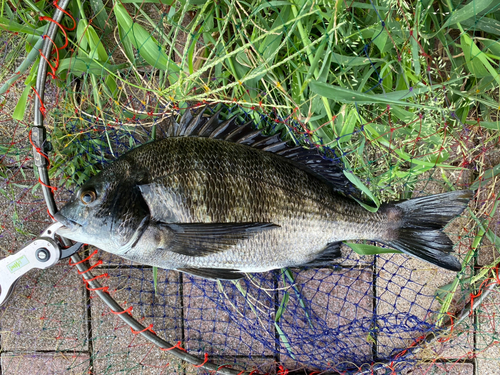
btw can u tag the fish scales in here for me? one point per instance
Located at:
(227, 182)
(263, 188)
(216, 208)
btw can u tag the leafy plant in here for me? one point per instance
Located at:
(390, 87)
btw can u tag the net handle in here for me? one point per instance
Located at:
(38, 133)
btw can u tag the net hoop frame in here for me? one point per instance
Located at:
(41, 163)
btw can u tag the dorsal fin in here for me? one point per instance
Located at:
(212, 124)
(184, 122)
(209, 126)
(194, 125)
(241, 133)
(224, 128)
(322, 167)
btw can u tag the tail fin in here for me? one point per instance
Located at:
(420, 233)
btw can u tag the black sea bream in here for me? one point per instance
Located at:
(215, 199)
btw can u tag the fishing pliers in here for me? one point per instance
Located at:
(43, 252)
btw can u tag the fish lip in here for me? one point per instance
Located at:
(67, 222)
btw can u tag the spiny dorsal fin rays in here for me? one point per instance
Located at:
(229, 130)
(240, 132)
(202, 125)
(267, 141)
(186, 118)
(193, 126)
(249, 138)
(276, 147)
(292, 152)
(212, 124)
(222, 128)
(172, 129)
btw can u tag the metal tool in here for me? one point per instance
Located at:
(43, 252)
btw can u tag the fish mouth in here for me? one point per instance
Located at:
(67, 222)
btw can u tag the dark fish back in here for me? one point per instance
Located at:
(218, 181)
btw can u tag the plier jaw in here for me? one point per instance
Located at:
(43, 252)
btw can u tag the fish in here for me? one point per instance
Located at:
(217, 199)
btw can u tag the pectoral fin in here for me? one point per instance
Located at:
(202, 239)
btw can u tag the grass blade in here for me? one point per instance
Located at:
(155, 279)
(20, 109)
(97, 50)
(363, 249)
(284, 339)
(12, 26)
(302, 303)
(100, 15)
(345, 95)
(27, 62)
(144, 42)
(86, 65)
(357, 182)
(486, 177)
(476, 61)
(470, 10)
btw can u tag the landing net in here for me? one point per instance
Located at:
(405, 94)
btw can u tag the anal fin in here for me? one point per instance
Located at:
(214, 273)
(325, 256)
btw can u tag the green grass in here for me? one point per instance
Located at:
(387, 85)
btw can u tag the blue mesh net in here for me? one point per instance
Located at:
(401, 94)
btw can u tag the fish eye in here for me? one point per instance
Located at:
(88, 196)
